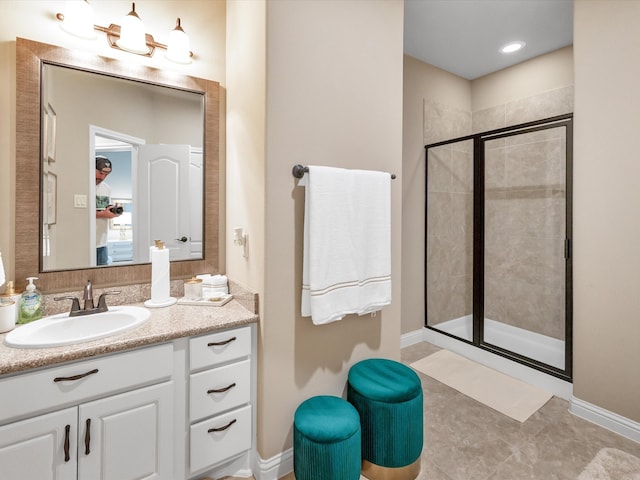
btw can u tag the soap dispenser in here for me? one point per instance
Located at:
(30, 307)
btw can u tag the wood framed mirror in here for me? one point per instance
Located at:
(31, 152)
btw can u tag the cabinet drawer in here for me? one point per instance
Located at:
(220, 438)
(31, 393)
(210, 350)
(223, 388)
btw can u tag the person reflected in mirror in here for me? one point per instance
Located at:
(105, 211)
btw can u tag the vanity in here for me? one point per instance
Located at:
(172, 399)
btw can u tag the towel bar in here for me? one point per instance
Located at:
(299, 171)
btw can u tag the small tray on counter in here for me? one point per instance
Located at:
(223, 299)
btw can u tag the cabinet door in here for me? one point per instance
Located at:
(127, 436)
(42, 448)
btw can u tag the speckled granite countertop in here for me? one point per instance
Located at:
(165, 324)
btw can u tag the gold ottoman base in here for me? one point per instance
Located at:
(376, 472)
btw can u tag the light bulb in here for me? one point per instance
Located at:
(178, 47)
(78, 19)
(132, 33)
(512, 47)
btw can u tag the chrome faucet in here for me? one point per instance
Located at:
(87, 297)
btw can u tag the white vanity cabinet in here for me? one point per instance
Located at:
(40, 447)
(220, 410)
(174, 411)
(106, 419)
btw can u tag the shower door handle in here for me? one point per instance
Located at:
(567, 248)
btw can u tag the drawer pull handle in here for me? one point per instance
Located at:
(66, 443)
(218, 344)
(221, 429)
(87, 438)
(75, 377)
(221, 390)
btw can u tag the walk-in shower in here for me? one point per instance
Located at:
(498, 242)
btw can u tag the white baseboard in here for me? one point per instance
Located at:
(275, 467)
(606, 419)
(411, 338)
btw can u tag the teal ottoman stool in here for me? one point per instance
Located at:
(388, 396)
(326, 440)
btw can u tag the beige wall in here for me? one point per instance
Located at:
(334, 97)
(606, 198)
(246, 105)
(540, 74)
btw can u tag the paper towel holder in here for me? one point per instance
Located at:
(160, 277)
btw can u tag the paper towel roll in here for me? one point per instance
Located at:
(159, 274)
(160, 278)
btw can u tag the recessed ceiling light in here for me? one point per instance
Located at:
(512, 47)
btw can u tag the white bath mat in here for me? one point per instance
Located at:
(503, 393)
(612, 464)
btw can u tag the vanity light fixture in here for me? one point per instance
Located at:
(512, 47)
(130, 37)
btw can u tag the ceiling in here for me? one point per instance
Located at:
(463, 36)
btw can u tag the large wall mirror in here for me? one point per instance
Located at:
(160, 133)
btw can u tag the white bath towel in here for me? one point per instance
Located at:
(347, 243)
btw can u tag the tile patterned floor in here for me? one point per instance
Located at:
(465, 440)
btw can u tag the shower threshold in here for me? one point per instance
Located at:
(559, 387)
(518, 340)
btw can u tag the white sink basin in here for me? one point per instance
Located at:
(61, 329)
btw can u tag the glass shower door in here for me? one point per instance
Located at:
(498, 233)
(525, 222)
(449, 239)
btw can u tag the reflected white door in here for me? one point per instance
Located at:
(162, 209)
(196, 181)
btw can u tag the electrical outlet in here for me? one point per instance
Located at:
(80, 201)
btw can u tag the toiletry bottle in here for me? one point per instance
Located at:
(11, 294)
(7, 314)
(30, 307)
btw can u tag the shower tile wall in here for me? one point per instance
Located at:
(450, 215)
(543, 105)
(524, 267)
(450, 232)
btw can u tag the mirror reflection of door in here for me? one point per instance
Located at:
(167, 178)
(156, 185)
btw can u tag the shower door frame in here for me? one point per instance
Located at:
(479, 140)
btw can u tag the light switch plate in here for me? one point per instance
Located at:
(80, 201)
